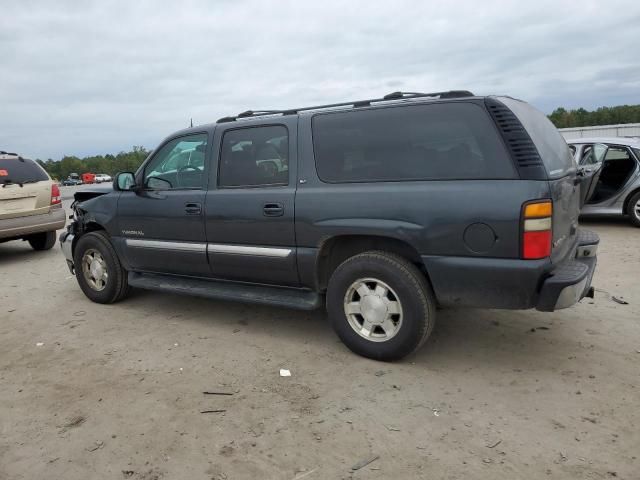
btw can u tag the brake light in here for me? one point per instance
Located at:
(55, 195)
(537, 233)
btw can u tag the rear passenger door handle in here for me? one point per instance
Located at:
(273, 210)
(193, 208)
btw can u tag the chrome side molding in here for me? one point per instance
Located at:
(249, 250)
(163, 245)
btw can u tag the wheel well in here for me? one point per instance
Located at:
(628, 199)
(336, 250)
(86, 228)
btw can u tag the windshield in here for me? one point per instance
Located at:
(21, 170)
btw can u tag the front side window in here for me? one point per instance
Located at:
(178, 165)
(254, 156)
(421, 142)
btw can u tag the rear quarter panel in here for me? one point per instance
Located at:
(432, 216)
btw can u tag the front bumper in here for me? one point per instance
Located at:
(22, 226)
(571, 281)
(66, 244)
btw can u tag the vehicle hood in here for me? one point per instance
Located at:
(92, 191)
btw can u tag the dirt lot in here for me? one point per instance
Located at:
(116, 391)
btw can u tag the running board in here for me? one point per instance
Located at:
(237, 292)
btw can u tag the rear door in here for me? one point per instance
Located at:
(590, 167)
(25, 188)
(163, 222)
(250, 203)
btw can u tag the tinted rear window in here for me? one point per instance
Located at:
(419, 142)
(551, 145)
(20, 171)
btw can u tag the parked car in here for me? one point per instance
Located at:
(102, 177)
(88, 178)
(383, 209)
(614, 166)
(72, 180)
(30, 204)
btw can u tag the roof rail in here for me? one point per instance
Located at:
(355, 104)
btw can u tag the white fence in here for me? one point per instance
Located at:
(625, 130)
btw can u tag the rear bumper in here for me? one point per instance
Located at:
(571, 281)
(513, 283)
(22, 226)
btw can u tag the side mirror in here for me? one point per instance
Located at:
(124, 181)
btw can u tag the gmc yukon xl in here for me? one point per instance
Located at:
(380, 209)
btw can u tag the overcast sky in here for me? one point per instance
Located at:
(81, 78)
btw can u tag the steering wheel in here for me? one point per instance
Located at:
(183, 169)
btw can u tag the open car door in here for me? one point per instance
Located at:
(590, 169)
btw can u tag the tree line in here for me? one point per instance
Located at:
(580, 117)
(109, 164)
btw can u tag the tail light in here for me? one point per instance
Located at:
(537, 233)
(55, 195)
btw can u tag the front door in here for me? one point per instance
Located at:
(250, 204)
(162, 222)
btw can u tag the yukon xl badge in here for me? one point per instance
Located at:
(137, 233)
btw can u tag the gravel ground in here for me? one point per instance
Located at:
(95, 391)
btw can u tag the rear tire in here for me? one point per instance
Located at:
(633, 209)
(98, 269)
(380, 305)
(42, 241)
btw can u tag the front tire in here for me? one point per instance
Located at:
(380, 305)
(633, 209)
(42, 241)
(98, 269)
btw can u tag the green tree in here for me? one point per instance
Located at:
(109, 164)
(580, 117)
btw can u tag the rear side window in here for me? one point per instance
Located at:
(419, 142)
(21, 171)
(552, 147)
(254, 156)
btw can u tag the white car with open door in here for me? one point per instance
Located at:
(613, 165)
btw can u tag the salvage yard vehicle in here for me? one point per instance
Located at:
(72, 180)
(30, 204)
(381, 209)
(102, 177)
(614, 167)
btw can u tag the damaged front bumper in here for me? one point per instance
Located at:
(66, 244)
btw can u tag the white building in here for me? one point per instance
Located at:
(624, 130)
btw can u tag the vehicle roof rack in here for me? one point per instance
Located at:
(355, 104)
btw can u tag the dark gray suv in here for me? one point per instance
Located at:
(381, 209)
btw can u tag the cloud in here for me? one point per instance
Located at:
(81, 78)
